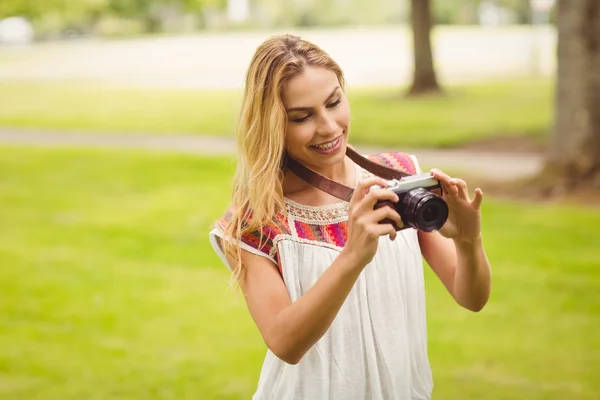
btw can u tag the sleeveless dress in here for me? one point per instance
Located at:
(376, 347)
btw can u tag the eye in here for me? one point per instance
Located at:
(334, 104)
(301, 119)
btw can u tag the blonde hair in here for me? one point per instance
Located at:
(257, 185)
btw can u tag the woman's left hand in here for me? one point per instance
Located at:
(464, 217)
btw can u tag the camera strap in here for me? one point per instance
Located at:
(334, 188)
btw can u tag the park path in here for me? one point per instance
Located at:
(493, 165)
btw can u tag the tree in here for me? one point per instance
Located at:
(573, 157)
(424, 77)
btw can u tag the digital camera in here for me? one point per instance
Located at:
(420, 206)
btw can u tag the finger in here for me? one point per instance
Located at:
(452, 189)
(385, 229)
(386, 212)
(476, 203)
(444, 180)
(461, 187)
(363, 186)
(375, 195)
(440, 175)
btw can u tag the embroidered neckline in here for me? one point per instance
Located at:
(326, 214)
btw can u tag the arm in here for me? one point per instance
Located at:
(290, 329)
(462, 267)
(456, 252)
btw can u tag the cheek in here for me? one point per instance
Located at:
(298, 135)
(343, 115)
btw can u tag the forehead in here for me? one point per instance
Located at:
(309, 88)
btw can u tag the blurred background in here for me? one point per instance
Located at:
(117, 126)
(206, 43)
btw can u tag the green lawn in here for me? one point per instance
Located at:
(109, 289)
(380, 116)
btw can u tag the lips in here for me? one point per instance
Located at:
(328, 148)
(328, 145)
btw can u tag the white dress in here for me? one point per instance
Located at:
(376, 347)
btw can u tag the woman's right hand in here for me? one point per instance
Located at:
(364, 228)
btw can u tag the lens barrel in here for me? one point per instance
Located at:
(424, 210)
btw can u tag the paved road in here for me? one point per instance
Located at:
(494, 165)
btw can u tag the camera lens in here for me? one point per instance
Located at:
(424, 210)
(429, 212)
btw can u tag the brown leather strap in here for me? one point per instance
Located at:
(376, 169)
(336, 189)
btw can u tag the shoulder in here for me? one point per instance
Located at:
(260, 241)
(398, 160)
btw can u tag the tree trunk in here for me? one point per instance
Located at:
(573, 157)
(424, 78)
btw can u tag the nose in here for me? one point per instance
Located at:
(327, 126)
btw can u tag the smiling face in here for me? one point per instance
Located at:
(318, 117)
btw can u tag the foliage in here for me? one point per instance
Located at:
(465, 11)
(111, 291)
(84, 16)
(157, 15)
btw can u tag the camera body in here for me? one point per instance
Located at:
(420, 206)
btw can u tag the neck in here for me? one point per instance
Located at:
(342, 172)
(338, 172)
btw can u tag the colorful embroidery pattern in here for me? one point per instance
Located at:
(335, 234)
(400, 161)
(325, 226)
(263, 240)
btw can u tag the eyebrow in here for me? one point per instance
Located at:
(310, 108)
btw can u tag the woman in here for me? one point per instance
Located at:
(337, 296)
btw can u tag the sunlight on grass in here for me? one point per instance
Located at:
(110, 289)
(379, 116)
(93, 107)
(465, 113)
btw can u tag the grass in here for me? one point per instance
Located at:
(379, 116)
(111, 291)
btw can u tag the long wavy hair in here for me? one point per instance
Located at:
(257, 194)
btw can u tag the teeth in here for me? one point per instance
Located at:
(328, 146)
